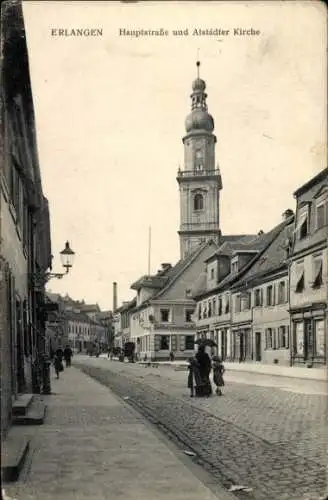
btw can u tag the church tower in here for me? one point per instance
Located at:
(200, 180)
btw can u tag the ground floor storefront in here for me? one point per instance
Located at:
(246, 344)
(164, 346)
(309, 335)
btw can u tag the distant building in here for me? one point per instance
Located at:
(309, 273)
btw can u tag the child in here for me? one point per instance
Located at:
(218, 371)
(191, 376)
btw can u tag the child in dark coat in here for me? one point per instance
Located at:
(218, 371)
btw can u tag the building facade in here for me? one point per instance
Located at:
(308, 273)
(25, 250)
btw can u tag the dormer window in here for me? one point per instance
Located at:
(234, 265)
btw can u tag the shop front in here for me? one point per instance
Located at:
(309, 335)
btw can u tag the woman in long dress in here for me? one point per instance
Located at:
(202, 378)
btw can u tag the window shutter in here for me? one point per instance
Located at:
(287, 337)
(182, 342)
(274, 294)
(261, 297)
(266, 338)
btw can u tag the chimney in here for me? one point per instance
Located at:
(287, 214)
(114, 296)
(166, 265)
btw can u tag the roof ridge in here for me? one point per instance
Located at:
(189, 259)
(279, 228)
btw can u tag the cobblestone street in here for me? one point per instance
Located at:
(267, 438)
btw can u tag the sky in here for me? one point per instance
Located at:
(110, 114)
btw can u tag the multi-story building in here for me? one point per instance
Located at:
(308, 273)
(223, 314)
(25, 252)
(122, 323)
(162, 321)
(260, 311)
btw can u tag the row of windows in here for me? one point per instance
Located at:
(316, 278)
(303, 228)
(213, 307)
(168, 342)
(277, 338)
(73, 328)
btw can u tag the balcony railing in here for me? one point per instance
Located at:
(208, 226)
(198, 173)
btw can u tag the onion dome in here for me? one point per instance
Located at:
(199, 119)
(198, 85)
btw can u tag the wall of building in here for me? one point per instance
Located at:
(310, 294)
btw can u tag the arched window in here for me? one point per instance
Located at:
(198, 202)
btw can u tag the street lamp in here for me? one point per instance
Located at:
(39, 280)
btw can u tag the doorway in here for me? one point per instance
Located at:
(258, 353)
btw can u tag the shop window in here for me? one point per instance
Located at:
(319, 330)
(190, 342)
(164, 345)
(299, 338)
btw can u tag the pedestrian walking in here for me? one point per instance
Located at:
(191, 362)
(68, 353)
(58, 365)
(171, 356)
(218, 371)
(60, 353)
(202, 372)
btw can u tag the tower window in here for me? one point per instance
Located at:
(198, 202)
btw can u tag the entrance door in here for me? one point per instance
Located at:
(258, 354)
(242, 347)
(308, 339)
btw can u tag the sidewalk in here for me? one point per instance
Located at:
(94, 445)
(264, 369)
